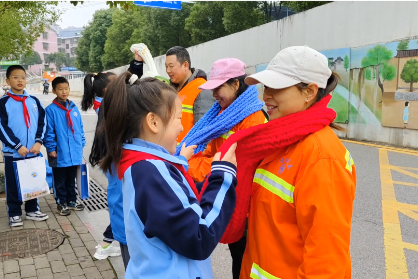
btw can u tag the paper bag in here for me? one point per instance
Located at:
(31, 178)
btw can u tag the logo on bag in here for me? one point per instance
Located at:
(75, 114)
(84, 173)
(34, 174)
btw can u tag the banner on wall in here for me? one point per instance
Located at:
(162, 4)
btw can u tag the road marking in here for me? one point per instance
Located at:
(394, 249)
(396, 267)
(390, 148)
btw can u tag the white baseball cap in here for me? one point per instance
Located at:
(294, 65)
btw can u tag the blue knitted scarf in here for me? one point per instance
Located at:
(212, 125)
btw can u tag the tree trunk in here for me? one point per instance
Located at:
(379, 82)
(411, 87)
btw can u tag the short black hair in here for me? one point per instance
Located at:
(181, 54)
(59, 80)
(406, 103)
(12, 68)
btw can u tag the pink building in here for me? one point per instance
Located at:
(46, 44)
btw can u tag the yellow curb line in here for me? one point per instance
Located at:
(390, 148)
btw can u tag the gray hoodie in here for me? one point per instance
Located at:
(204, 100)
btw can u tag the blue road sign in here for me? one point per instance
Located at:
(68, 69)
(172, 5)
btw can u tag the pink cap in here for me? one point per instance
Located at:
(223, 70)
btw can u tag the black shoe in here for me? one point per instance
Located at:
(75, 206)
(63, 210)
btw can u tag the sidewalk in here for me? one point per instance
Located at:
(72, 259)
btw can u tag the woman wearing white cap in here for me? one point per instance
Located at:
(299, 175)
(238, 107)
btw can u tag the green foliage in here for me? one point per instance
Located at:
(241, 15)
(388, 72)
(165, 28)
(403, 45)
(117, 52)
(205, 22)
(346, 63)
(376, 56)
(410, 72)
(102, 20)
(31, 58)
(83, 49)
(22, 22)
(368, 74)
(91, 46)
(301, 6)
(60, 59)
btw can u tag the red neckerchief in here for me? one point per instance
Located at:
(96, 104)
(257, 142)
(25, 108)
(130, 157)
(68, 115)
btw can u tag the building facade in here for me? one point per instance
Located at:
(68, 40)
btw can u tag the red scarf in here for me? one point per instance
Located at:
(96, 104)
(255, 143)
(25, 108)
(68, 115)
(130, 157)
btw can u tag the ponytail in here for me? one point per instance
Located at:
(115, 106)
(94, 86)
(125, 107)
(88, 96)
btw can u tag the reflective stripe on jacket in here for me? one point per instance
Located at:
(188, 96)
(301, 210)
(200, 164)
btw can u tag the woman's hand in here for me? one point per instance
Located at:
(229, 155)
(187, 152)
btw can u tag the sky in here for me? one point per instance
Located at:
(80, 15)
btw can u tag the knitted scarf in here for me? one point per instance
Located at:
(212, 125)
(255, 143)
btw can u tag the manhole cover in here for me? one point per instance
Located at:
(28, 243)
(97, 199)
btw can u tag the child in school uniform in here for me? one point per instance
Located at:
(171, 228)
(64, 142)
(22, 126)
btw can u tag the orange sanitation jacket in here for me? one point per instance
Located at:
(300, 212)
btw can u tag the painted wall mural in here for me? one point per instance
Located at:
(378, 84)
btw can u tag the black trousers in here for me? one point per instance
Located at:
(64, 184)
(108, 234)
(237, 250)
(14, 205)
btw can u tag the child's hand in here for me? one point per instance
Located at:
(53, 154)
(23, 151)
(187, 152)
(36, 148)
(137, 56)
(229, 156)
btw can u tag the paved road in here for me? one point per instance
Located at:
(384, 228)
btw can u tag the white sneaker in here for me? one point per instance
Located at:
(36, 216)
(15, 221)
(110, 251)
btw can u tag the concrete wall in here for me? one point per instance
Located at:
(332, 26)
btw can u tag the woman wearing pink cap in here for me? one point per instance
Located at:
(300, 177)
(237, 108)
